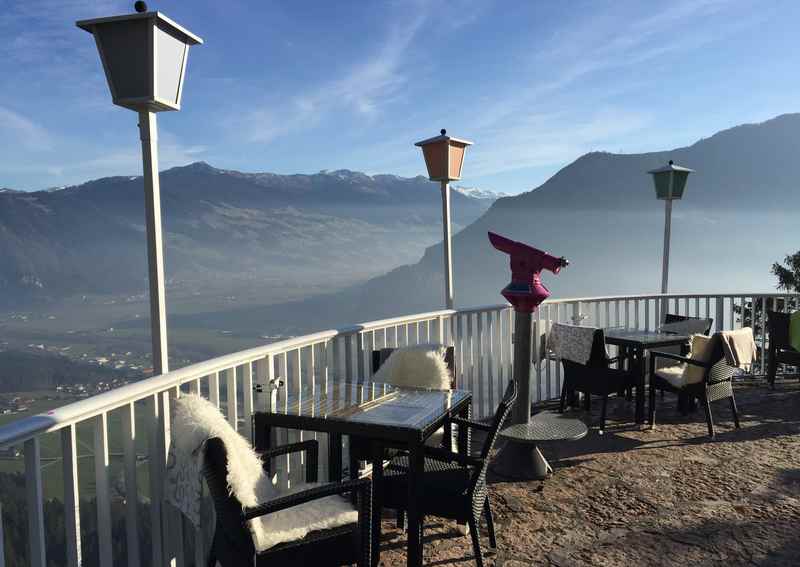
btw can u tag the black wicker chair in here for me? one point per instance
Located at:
(716, 384)
(694, 325)
(360, 448)
(233, 545)
(453, 485)
(780, 351)
(595, 378)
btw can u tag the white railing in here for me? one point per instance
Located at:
(134, 420)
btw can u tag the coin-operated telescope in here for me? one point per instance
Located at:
(526, 290)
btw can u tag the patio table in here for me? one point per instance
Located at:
(384, 415)
(634, 343)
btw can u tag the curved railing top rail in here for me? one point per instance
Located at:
(26, 428)
(666, 296)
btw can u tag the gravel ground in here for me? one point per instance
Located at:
(635, 496)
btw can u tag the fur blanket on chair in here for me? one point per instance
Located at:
(194, 421)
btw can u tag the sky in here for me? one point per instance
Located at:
(299, 87)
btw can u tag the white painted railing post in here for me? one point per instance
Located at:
(34, 501)
(72, 513)
(154, 462)
(2, 540)
(102, 489)
(131, 484)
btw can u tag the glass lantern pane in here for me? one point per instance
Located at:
(661, 181)
(126, 57)
(679, 183)
(170, 52)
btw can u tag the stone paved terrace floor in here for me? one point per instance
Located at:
(670, 496)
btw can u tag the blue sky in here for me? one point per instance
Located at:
(303, 86)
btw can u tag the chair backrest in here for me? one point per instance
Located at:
(778, 327)
(694, 325)
(380, 356)
(233, 541)
(717, 369)
(477, 487)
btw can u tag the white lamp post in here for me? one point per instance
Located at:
(444, 158)
(144, 57)
(669, 181)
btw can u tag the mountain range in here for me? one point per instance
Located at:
(738, 215)
(222, 229)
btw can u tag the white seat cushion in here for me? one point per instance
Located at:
(675, 375)
(298, 521)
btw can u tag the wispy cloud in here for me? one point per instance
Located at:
(363, 89)
(19, 130)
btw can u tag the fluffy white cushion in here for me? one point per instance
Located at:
(195, 420)
(680, 375)
(417, 366)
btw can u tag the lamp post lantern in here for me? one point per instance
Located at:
(669, 182)
(444, 158)
(144, 57)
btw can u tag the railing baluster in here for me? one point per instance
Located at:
(762, 365)
(102, 495)
(2, 540)
(247, 393)
(646, 314)
(213, 388)
(154, 480)
(480, 345)
(732, 310)
(131, 484)
(72, 512)
(35, 501)
(490, 360)
(229, 376)
(361, 354)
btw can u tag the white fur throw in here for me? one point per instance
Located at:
(417, 366)
(194, 421)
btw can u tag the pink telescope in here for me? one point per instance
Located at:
(526, 291)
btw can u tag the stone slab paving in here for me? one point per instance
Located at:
(635, 496)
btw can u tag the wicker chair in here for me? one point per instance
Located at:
(233, 545)
(453, 486)
(683, 324)
(715, 385)
(780, 351)
(595, 378)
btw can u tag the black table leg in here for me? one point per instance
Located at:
(464, 433)
(416, 462)
(334, 457)
(377, 501)
(640, 382)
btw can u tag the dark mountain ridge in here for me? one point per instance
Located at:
(219, 224)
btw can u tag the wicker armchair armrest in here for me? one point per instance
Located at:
(310, 446)
(361, 486)
(450, 457)
(470, 423)
(672, 356)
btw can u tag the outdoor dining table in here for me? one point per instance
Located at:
(633, 344)
(384, 415)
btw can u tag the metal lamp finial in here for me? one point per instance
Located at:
(443, 131)
(140, 6)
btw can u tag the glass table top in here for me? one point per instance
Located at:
(644, 337)
(371, 403)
